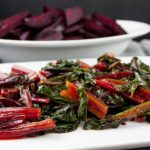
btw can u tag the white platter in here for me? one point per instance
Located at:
(15, 50)
(129, 136)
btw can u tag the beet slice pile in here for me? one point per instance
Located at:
(57, 24)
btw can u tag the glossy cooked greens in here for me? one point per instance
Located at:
(63, 94)
(116, 88)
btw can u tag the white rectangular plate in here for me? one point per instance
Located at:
(127, 136)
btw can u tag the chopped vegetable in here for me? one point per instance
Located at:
(27, 129)
(96, 106)
(73, 15)
(11, 23)
(30, 113)
(72, 23)
(83, 100)
(96, 124)
(71, 92)
(16, 69)
(66, 94)
(115, 75)
(133, 112)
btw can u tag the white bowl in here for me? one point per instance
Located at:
(15, 50)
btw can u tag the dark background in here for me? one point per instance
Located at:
(123, 9)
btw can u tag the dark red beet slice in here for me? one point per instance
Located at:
(109, 23)
(54, 23)
(15, 17)
(40, 21)
(96, 28)
(103, 19)
(58, 15)
(17, 31)
(60, 28)
(53, 27)
(88, 34)
(10, 36)
(73, 15)
(9, 102)
(73, 28)
(51, 35)
(76, 37)
(57, 22)
(55, 12)
(12, 22)
(27, 35)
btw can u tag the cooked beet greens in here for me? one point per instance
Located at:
(63, 94)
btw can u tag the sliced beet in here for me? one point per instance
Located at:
(94, 27)
(17, 31)
(54, 23)
(109, 23)
(73, 15)
(16, 17)
(51, 35)
(103, 19)
(40, 21)
(10, 36)
(11, 23)
(56, 12)
(27, 35)
(76, 37)
(48, 30)
(73, 28)
(87, 34)
(60, 28)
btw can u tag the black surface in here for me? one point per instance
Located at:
(125, 9)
